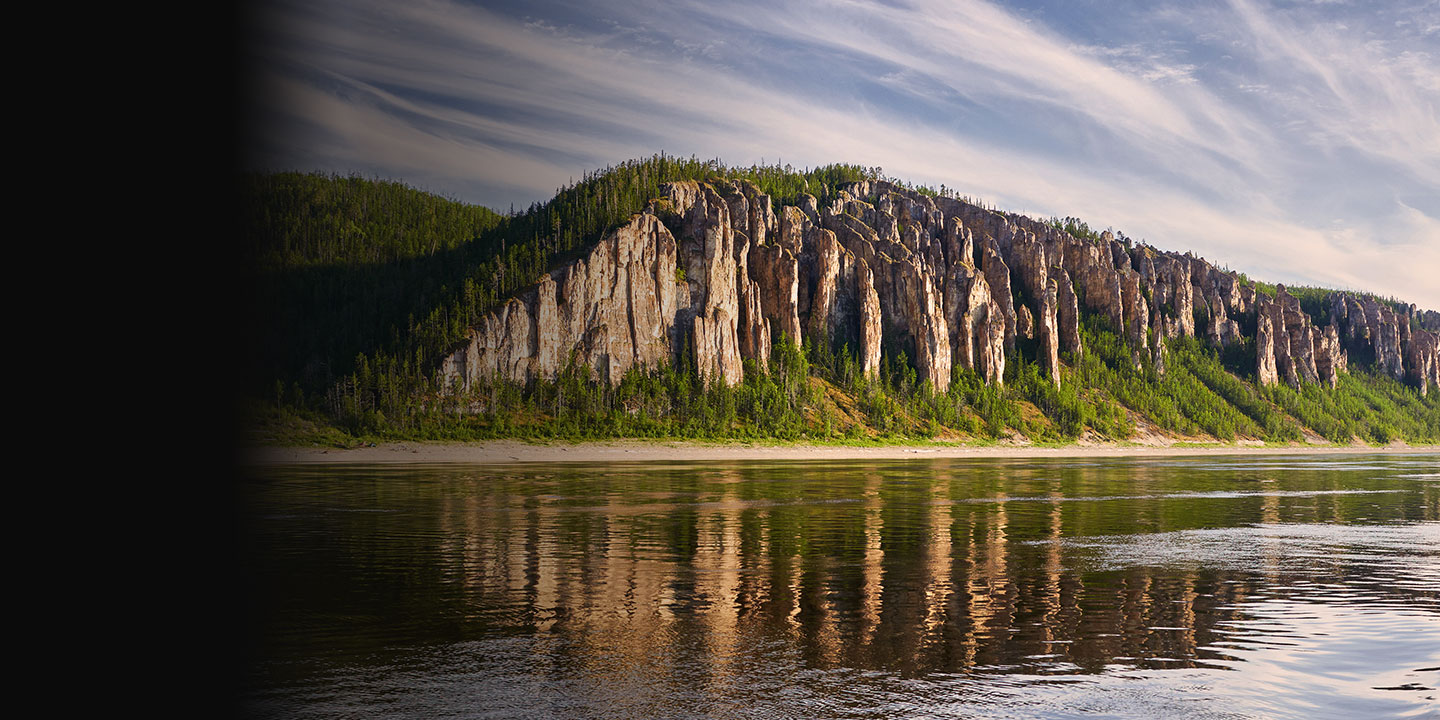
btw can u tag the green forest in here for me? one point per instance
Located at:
(358, 287)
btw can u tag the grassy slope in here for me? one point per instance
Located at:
(361, 285)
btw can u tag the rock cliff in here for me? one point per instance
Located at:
(713, 271)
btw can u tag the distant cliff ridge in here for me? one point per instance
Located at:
(711, 273)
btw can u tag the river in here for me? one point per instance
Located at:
(1224, 587)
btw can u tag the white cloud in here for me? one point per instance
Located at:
(1366, 100)
(1163, 144)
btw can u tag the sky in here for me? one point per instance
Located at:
(1297, 142)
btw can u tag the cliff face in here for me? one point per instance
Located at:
(616, 308)
(712, 271)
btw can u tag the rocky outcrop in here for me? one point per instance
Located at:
(776, 270)
(1027, 259)
(612, 309)
(1266, 369)
(1284, 362)
(1067, 313)
(1216, 296)
(715, 344)
(1400, 342)
(976, 321)
(1423, 359)
(1383, 333)
(707, 249)
(826, 310)
(1300, 344)
(1025, 324)
(1047, 331)
(869, 322)
(1037, 259)
(1136, 313)
(1168, 278)
(716, 272)
(928, 326)
(754, 327)
(997, 275)
(907, 284)
(794, 224)
(1329, 358)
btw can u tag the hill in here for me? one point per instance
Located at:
(670, 297)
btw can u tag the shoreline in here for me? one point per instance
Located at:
(508, 452)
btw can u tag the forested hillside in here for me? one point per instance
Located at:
(366, 292)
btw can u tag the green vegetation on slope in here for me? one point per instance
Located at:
(294, 220)
(341, 270)
(361, 286)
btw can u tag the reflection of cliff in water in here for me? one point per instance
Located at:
(907, 568)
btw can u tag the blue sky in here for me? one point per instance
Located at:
(1294, 141)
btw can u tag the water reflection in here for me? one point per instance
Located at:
(850, 589)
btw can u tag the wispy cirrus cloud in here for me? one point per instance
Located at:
(1267, 139)
(1351, 88)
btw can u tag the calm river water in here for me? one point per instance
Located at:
(1234, 587)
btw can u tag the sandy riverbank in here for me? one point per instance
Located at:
(510, 451)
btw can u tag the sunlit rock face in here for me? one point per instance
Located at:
(615, 307)
(714, 273)
(1266, 369)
